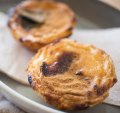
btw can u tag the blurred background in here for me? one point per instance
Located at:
(91, 13)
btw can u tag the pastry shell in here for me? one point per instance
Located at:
(71, 76)
(58, 23)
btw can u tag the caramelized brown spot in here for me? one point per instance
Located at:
(30, 79)
(114, 80)
(97, 89)
(9, 24)
(60, 66)
(100, 90)
(79, 72)
(27, 23)
(21, 39)
(70, 28)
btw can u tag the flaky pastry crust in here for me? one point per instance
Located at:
(59, 22)
(71, 76)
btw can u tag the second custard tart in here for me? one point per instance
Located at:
(71, 76)
(36, 23)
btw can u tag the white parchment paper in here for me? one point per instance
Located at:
(13, 56)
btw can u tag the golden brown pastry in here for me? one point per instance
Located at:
(71, 76)
(36, 23)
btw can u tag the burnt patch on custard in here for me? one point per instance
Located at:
(60, 66)
(97, 89)
(67, 36)
(114, 80)
(21, 40)
(27, 23)
(82, 76)
(100, 90)
(9, 24)
(30, 79)
(79, 72)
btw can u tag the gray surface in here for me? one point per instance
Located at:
(91, 14)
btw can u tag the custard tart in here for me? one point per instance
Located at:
(71, 76)
(36, 23)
